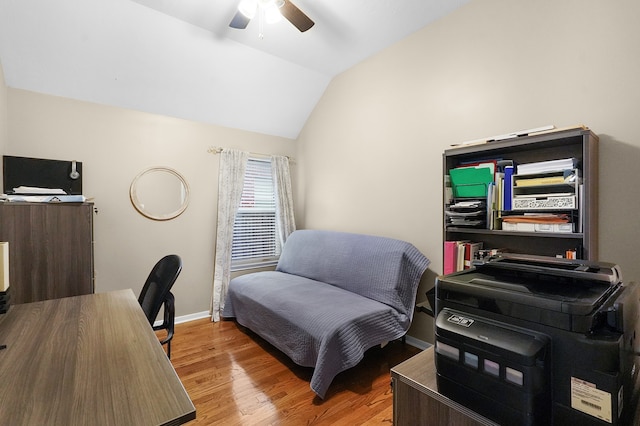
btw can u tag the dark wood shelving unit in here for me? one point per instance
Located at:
(580, 143)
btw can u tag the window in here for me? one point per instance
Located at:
(254, 229)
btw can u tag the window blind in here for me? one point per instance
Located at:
(254, 228)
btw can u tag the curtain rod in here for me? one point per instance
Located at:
(218, 150)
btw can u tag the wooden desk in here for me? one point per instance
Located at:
(87, 360)
(416, 400)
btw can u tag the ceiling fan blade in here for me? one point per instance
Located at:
(239, 21)
(296, 16)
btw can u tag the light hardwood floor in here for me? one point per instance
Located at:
(235, 378)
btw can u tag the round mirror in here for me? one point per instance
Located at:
(159, 193)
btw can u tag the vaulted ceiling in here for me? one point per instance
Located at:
(180, 57)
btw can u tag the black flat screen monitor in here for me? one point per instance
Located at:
(41, 173)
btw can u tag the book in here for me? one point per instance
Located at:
(460, 256)
(508, 188)
(470, 252)
(450, 257)
(499, 200)
(455, 253)
(491, 205)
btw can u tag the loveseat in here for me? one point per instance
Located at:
(332, 296)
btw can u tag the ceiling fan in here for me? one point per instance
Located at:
(270, 11)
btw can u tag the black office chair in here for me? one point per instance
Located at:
(156, 292)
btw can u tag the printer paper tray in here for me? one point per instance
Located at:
(571, 268)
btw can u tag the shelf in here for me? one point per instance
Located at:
(566, 235)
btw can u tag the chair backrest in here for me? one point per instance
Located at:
(158, 284)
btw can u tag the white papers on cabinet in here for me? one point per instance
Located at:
(38, 190)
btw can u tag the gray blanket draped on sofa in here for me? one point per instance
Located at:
(332, 296)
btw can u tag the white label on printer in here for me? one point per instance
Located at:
(586, 397)
(457, 319)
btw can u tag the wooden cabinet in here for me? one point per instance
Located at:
(50, 249)
(416, 400)
(577, 143)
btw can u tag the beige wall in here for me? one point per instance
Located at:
(369, 158)
(370, 155)
(4, 126)
(114, 145)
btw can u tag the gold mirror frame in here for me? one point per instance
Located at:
(177, 204)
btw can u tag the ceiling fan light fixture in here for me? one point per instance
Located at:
(269, 11)
(248, 8)
(272, 14)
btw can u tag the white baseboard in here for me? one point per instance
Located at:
(187, 318)
(193, 317)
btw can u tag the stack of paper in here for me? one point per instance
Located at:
(537, 218)
(549, 180)
(466, 213)
(47, 198)
(32, 194)
(538, 222)
(31, 190)
(547, 166)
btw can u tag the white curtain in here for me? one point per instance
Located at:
(230, 182)
(286, 222)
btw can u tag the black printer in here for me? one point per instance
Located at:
(532, 340)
